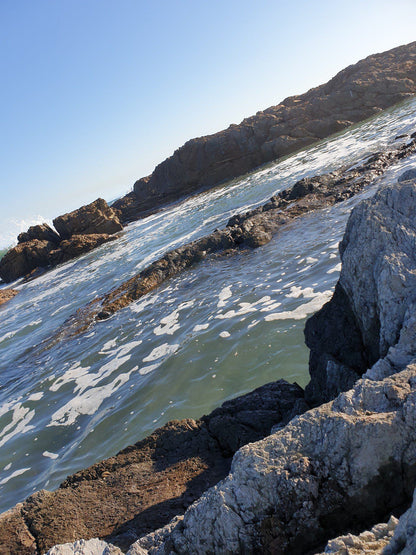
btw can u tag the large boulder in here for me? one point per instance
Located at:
(370, 316)
(25, 257)
(77, 245)
(41, 232)
(7, 294)
(93, 218)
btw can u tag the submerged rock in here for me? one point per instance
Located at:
(93, 218)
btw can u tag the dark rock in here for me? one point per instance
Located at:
(408, 175)
(333, 336)
(147, 484)
(403, 136)
(25, 257)
(129, 208)
(7, 294)
(94, 218)
(41, 232)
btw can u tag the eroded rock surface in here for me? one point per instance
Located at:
(354, 94)
(147, 484)
(96, 217)
(371, 316)
(41, 232)
(342, 466)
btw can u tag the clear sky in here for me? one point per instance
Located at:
(95, 93)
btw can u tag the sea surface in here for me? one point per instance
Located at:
(228, 325)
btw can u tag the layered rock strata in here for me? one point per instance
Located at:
(147, 484)
(356, 93)
(41, 247)
(250, 230)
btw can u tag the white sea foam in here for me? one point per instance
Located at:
(35, 396)
(296, 292)
(147, 369)
(303, 310)
(50, 455)
(161, 351)
(200, 327)
(86, 403)
(19, 425)
(14, 475)
(224, 294)
(336, 268)
(225, 334)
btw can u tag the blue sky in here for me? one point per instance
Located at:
(95, 93)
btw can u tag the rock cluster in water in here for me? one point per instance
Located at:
(357, 92)
(250, 230)
(78, 232)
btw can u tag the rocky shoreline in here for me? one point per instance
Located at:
(249, 230)
(354, 94)
(341, 467)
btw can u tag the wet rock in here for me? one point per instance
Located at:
(7, 294)
(341, 466)
(357, 92)
(147, 484)
(41, 232)
(81, 244)
(25, 257)
(94, 218)
(370, 318)
(128, 207)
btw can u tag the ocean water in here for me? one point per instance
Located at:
(221, 329)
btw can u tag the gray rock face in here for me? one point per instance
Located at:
(371, 315)
(408, 175)
(404, 539)
(344, 465)
(82, 547)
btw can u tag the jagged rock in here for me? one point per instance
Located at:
(371, 541)
(342, 466)
(82, 547)
(25, 257)
(147, 484)
(93, 218)
(354, 94)
(42, 232)
(129, 208)
(404, 539)
(81, 244)
(371, 315)
(7, 294)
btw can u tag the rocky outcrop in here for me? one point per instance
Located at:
(41, 247)
(357, 92)
(370, 317)
(96, 217)
(89, 547)
(41, 232)
(147, 484)
(342, 466)
(7, 294)
(250, 230)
